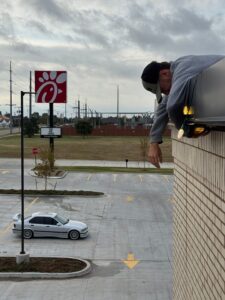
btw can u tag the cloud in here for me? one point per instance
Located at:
(6, 26)
(38, 26)
(182, 22)
(103, 43)
(48, 8)
(172, 33)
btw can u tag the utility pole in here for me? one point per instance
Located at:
(65, 114)
(30, 97)
(10, 85)
(118, 99)
(85, 110)
(78, 107)
(92, 118)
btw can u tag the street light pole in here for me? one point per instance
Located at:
(22, 170)
(22, 175)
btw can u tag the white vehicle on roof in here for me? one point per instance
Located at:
(49, 225)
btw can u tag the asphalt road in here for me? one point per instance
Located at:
(6, 131)
(130, 241)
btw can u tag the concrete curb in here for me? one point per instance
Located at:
(31, 173)
(36, 275)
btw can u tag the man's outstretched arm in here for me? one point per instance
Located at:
(160, 121)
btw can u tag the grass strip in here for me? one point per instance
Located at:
(51, 192)
(112, 148)
(96, 169)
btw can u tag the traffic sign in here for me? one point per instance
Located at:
(35, 151)
(51, 132)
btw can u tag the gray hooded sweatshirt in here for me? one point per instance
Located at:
(183, 69)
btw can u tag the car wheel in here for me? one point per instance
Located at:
(27, 234)
(74, 235)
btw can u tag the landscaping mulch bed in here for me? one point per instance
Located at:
(52, 192)
(42, 264)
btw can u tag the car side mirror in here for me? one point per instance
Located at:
(58, 224)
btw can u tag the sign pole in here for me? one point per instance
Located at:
(51, 139)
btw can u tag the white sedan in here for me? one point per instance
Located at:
(49, 225)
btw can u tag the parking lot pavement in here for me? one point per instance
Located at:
(130, 241)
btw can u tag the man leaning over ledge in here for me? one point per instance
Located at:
(171, 79)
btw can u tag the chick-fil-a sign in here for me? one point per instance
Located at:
(50, 86)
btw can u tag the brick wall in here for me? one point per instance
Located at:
(199, 217)
(112, 130)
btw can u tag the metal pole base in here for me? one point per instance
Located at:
(22, 258)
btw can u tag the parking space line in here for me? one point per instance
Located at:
(140, 177)
(5, 229)
(114, 177)
(89, 177)
(166, 178)
(8, 226)
(31, 204)
(3, 171)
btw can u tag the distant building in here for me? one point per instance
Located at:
(4, 121)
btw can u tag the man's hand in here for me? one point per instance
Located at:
(155, 155)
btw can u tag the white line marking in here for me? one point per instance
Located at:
(114, 177)
(89, 177)
(140, 177)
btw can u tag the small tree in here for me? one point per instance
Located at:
(83, 127)
(44, 168)
(144, 143)
(30, 126)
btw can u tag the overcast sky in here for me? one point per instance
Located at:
(102, 44)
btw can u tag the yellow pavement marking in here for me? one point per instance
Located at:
(89, 177)
(129, 198)
(32, 203)
(131, 262)
(114, 177)
(141, 177)
(8, 226)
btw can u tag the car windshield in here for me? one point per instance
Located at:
(61, 219)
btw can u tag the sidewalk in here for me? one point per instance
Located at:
(29, 163)
(106, 163)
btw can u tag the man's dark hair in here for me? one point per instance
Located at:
(151, 71)
(164, 65)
